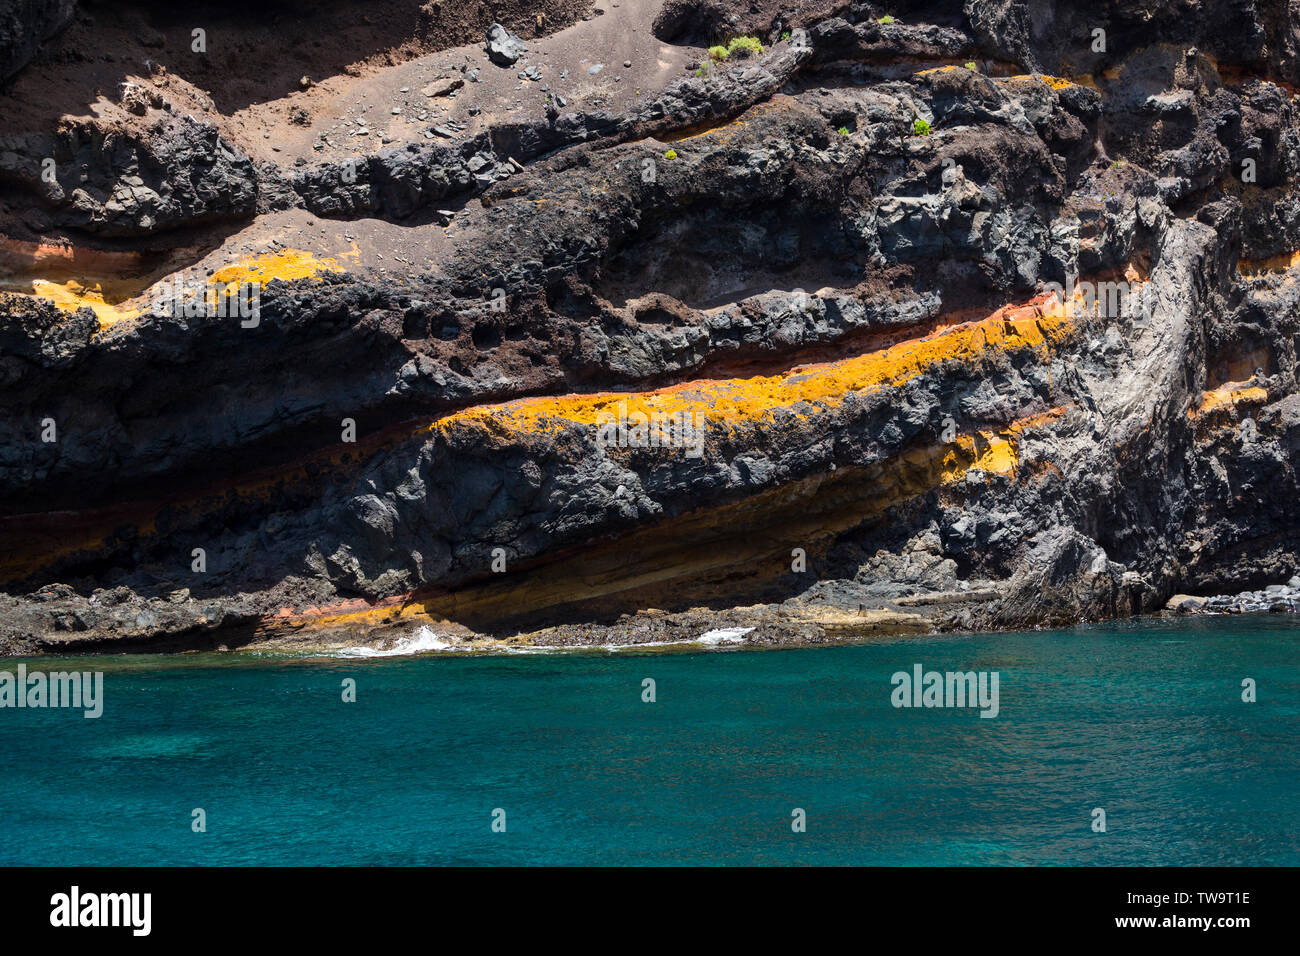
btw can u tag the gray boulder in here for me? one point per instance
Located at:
(503, 47)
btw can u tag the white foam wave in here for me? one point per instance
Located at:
(725, 635)
(425, 641)
(421, 642)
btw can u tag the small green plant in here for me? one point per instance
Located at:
(970, 65)
(920, 127)
(886, 20)
(719, 53)
(744, 46)
(671, 154)
(843, 131)
(703, 69)
(785, 36)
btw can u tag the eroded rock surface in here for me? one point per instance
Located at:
(956, 317)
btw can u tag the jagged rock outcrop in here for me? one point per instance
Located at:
(177, 172)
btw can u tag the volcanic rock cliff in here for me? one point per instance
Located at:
(928, 315)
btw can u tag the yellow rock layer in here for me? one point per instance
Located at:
(934, 70)
(1228, 396)
(286, 265)
(1055, 82)
(113, 299)
(100, 296)
(804, 392)
(1254, 268)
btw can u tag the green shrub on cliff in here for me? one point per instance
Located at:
(719, 53)
(744, 46)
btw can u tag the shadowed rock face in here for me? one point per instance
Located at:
(879, 329)
(25, 25)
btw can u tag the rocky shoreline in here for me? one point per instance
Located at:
(1274, 599)
(589, 323)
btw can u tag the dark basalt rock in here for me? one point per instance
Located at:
(811, 205)
(178, 173)
(25, 25)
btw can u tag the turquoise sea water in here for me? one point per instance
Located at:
(1143, 719)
